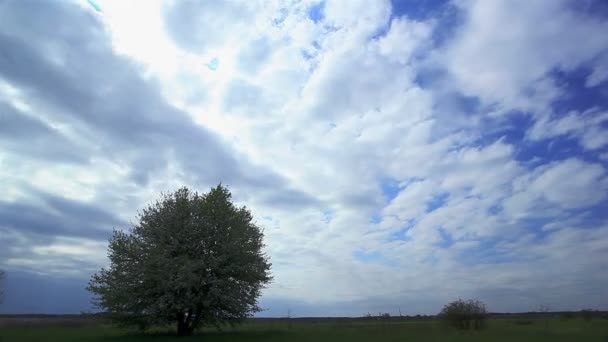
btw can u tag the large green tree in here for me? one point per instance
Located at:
(192, 259)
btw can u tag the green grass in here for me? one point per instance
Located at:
(332, 330)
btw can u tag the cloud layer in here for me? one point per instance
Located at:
(397, 155)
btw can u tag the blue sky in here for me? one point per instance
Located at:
(399, 154)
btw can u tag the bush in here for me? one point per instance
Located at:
(464, 315)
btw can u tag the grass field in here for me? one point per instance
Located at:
(351, 330)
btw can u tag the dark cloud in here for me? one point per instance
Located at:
(104, 97)
(26, 135)
(61, 61)
(49, 214)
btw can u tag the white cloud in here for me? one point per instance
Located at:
(405, 39)
(569, 184)
(505, 51)
(586, 127)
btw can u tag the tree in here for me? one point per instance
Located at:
(191, 259)
(461, 314)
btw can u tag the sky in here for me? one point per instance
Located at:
(398, 154)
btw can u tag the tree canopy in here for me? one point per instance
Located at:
(191, 259)
(461, 314)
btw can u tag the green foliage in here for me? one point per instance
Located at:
(192, 259)
(464, 315)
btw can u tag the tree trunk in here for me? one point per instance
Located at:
(183, 328)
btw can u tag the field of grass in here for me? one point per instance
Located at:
(352, 330)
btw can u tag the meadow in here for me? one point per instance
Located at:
(314, 329)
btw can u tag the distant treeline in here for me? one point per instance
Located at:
(515, 315)
(561, 314)
(530, 314)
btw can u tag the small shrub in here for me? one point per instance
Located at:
(464, 315)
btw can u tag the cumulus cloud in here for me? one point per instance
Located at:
(569, 184)
(587, 128)
(505, 52)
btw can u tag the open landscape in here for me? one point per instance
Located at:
(303, 170)
(517, 328)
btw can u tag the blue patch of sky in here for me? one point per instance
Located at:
(437, 202)
(307, 55)
(548, 150)
(449, 101)
(316, 12)
(469, 105)
(280, 18)
(446, 239)
(401, 234)
(495, 209)
(513, 131)
(429, 77)
(310, 53)
(447, 24)
(446, 15)
(535, 226)
(514, 126)
(594, 216)
(418, 9)
(381, 31)
(390, 188)
(328, 215)
(577, 96)
(486, 252)
(374, 257)
(596, 8)
(375, 218)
